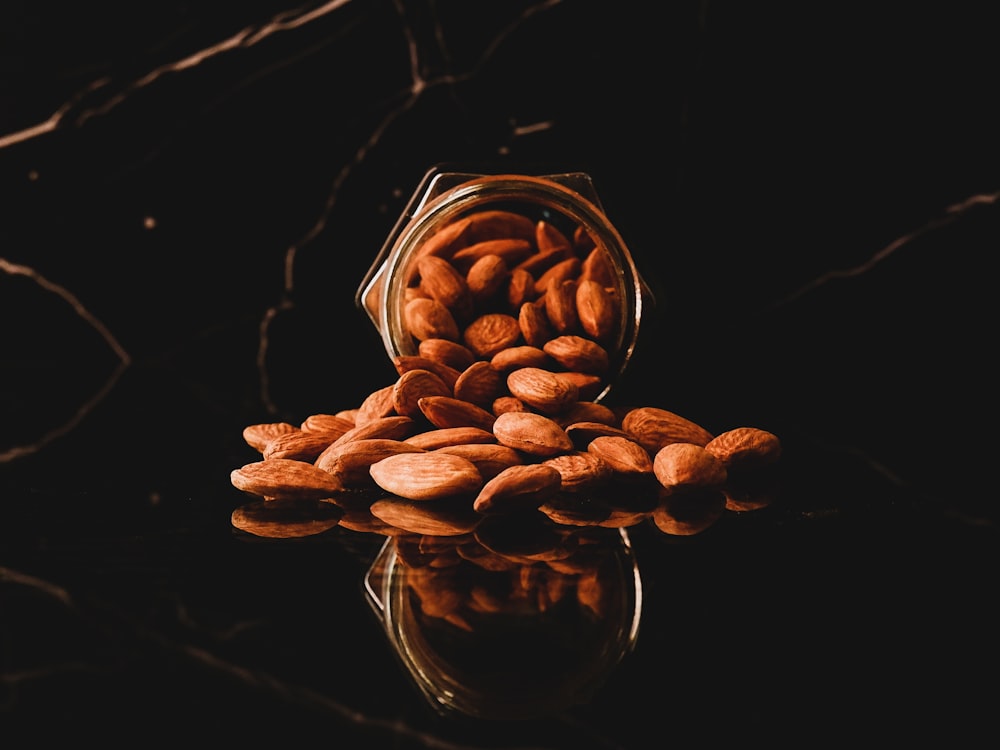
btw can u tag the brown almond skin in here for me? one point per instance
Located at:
(542, 390)
(394, 427)
(534, 434)
(450, 354)
(446, 411)
(491, 333)
(580, 470)
(302, 446)
(517, 488)
(445, 436)
(285, 479)
(654, 428)
(596, 310)
(350, 461)
(426, 475)
(413, 386)
(480, 383)
(426, 318)
(623, 455)
(560, 306)
(745, 447)
(332, 424)
(257, 436)
(490, 458)
(440, 280)
(680, 466)
(406, 362)
(486, 277)
(578, 354)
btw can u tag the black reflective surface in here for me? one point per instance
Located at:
(191, 197)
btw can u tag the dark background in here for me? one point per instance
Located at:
(192, 194)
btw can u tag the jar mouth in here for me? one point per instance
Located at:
(564, 204)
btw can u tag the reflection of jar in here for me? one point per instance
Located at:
(511, 642)
(562, 207)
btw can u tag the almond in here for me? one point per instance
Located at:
(441, 281)
(445, 436)
(541, 389)
(491, 333)
(302, 446)
(745, 448)
(534, 323)
(480, 383)
(625, 456)
(521, 356)
(426, 475)
(689, 513)
(285, 479)
(257, 436)
(596, 310)
(518, 488)
(426, 318)
(377, 404)
(531, 433)
(350, 461)
(489, 457)
(450, 354)
(560, 306)
(498, 223)
(511, 250)
(520, 288)
(414, 385)
(394, 428)
(680, 466)
(406, 362)
(331, 424)
(446, 411)
(578, 354)
(654, 428)
(486, 277)
(580, 470)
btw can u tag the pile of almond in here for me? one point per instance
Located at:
(515, 323)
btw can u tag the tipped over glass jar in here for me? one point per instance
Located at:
(517, 270)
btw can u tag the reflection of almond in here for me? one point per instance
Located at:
(286, 520)
(426, 475)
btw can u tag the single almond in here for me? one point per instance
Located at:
(300, 445)
(560, 306)
(541, 389)
(446, 411)
(518, 488)
(681, 466)
(414, 385)
(446, 436)
(560, 272)
(511, 250)
(654, 428)
(494, 224)
(745, 447)
(350, 461)
(588, 384)
(596, 310)
(534, 323)
(257, 436)
(441, 281)
(486, 277)
(331, 424)
(394, 428)
(491, 333)
(426, 475)
(284, 479)
(480, 383)
(578, 354)
(376, 405)
(450, 354)
(534, 434)
(406, 362)
(291, 519)
(521, 356)
(426, 318)
(580, 470)
(508, 403)
(520, 288)
(489, 457)
(582, 433)
(625, 456)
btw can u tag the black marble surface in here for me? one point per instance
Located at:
(192, 194)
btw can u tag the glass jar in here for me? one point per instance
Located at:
(557, 220)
